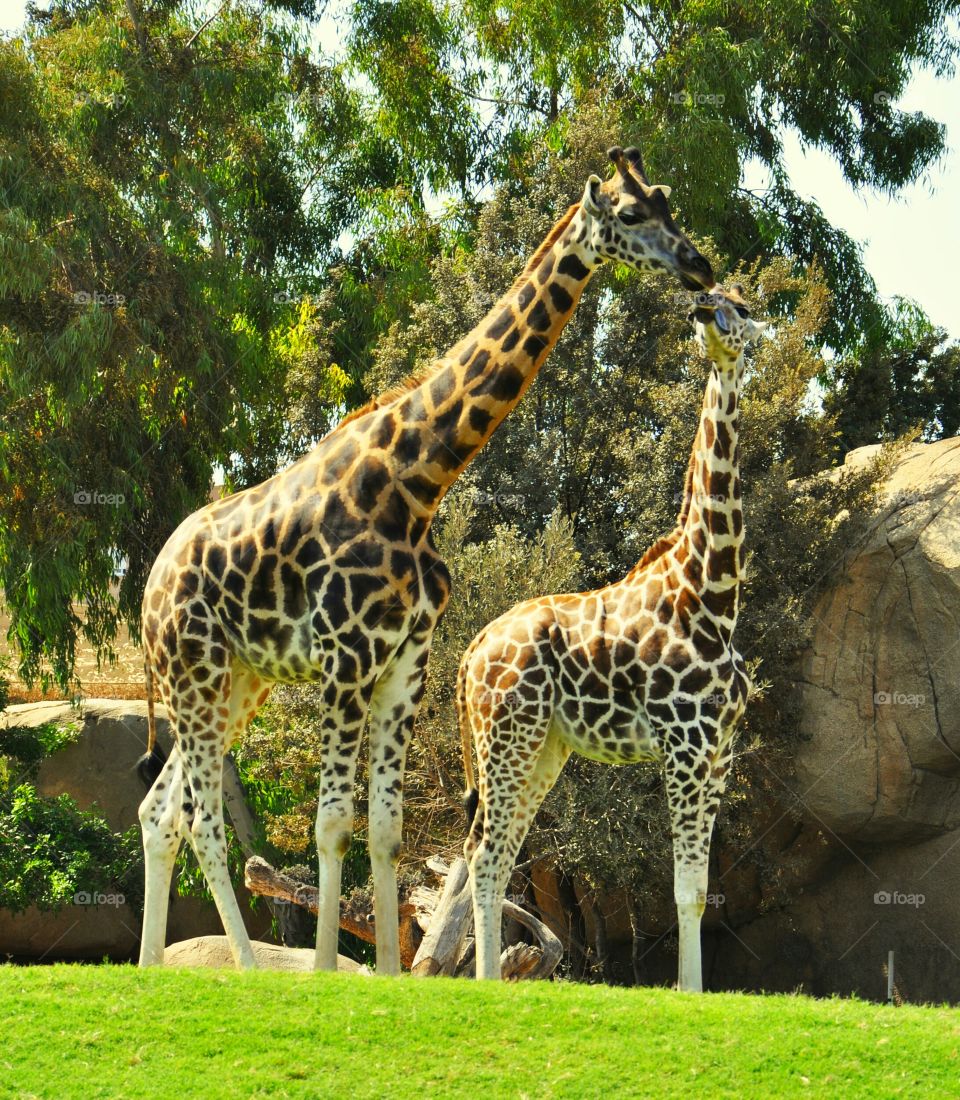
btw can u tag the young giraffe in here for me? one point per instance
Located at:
(327, 573)
(642, 669)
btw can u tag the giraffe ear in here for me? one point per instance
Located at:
(664, 188)
(591, 197)
(753, 330)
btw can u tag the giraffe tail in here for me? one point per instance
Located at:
(151, 764)
(471, 798)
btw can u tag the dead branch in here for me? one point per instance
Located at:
(435, 926)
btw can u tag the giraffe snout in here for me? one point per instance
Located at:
(696, 272)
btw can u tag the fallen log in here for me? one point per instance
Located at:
(450, 922)
(435, 926)
(356, 916)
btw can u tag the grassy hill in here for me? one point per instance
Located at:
(70, 1031)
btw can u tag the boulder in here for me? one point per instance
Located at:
(214, 952)
(98, 770)
(879, 685)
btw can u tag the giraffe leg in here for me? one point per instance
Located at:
(393, 710)
(340, 742)
(693, 814)
(159, 822)
(513, 784)
(209, 707)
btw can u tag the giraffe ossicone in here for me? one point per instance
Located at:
(642, 669)
(327, 573)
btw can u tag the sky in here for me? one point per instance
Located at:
(910, 242)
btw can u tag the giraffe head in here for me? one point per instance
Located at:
(724, 326)
(628, 219)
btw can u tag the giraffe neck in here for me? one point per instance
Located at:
(711, 519)
(448, 418)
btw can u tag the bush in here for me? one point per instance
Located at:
(50, 849)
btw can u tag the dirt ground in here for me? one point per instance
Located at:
(120, 680)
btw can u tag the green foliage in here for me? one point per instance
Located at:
(26, 747)
(702, 88)
(205, 229)
(151, 208)
(284, 1033)
(51, 851)
(900, 380)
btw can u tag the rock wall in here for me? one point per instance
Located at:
(878, 770)
(880, 684)
(98, 770)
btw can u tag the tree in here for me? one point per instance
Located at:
(247, 220)
(151, 202)
(904, 378)
(467, 90)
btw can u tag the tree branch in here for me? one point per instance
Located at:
(203, 26)
(643, 21)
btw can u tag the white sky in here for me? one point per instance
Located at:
(911, 242)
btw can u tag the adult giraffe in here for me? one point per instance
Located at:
(643, 669)
(327, 573)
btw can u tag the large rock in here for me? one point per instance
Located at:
(214, 952)
(880, 683)
(98, 770)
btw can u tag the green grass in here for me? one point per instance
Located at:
(71, 1031)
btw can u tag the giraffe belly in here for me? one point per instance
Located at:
(622, 738)
(309, 650)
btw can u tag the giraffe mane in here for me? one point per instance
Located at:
(551, 239)
(657, 550)
(412, 381)
(684, 514)
(388, 396)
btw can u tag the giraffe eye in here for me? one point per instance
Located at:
(742, 311)
(629, 217)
